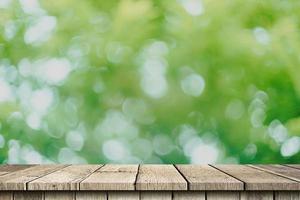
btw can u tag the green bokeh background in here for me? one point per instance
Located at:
(187, 81)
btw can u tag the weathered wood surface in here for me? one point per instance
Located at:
(254, 195)
(5, 169)
(59, 195)
(67, 178)
(128, 195)
(111, 177)
(220, 195)
(91, 195)
(256, 179)
(159, 195)
(154, 195)
(193, 195)
(160, 177)
(287, 195)
(29, 195)
(150, 177)
(18, 180)
(204, 177)
(294, 166)
(165, 182)
(287, 172)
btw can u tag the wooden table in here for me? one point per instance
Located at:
(179, 182)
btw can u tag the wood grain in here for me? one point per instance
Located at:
(59, 195)
(257, 195)
(91, 195)
(123, 195)
(160, 177)
(255, 179)
(287, 195)
(205, 177)
(91, 182)
(6, 195)
(189, 195)
(17, 180)
(5, 169)
(28, 196)
(67, 178)
(288, 172)
(297, 166)
(156, 195)
(219, 195)
(111, 177)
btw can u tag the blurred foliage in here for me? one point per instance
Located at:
(129, 81)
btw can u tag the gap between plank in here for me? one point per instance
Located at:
(273, 173)
(12, 172)
(5, 174)
(187, 182)
(26, 184)
(290, 166)
(136, 176)
(82, 179)
(244, 184)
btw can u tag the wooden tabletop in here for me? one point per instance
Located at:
(150, 177)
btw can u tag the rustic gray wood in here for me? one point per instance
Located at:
(220, 195)
(288, 172)
(297, 166)
(165, 182)
(257, 195)
(28, 196)
(123, 195)
(255, 179)
(6, 195)
(5, 169)
(59, 195)
(156, 195)
(111, 177)
(287, 195)
(189, 195)
(91, 195)
(160, 177)
(67, 178)
(19, 179)
(205, 177)
(3, 173)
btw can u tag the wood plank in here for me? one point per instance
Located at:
(255, 179)
(28, 196)
(91, 195)
(111, 177)
(67, 178)
(3, 173)
(287, 195)
(205, 177)
(297, 166)
(156, 195)
(281, 170)
(6, 195)
(130, 195)
(160, 177)
(220, 195)
(18, 180)
(5, 169)
(256, 195)
(189, 195)
(60, 195)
